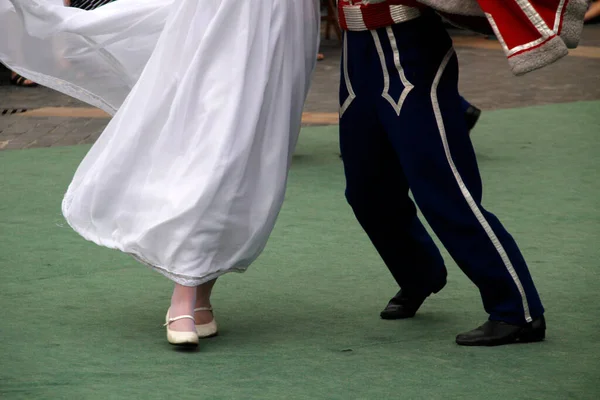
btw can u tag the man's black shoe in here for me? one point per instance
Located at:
(472, 116)
(497, 333)
(403, 305)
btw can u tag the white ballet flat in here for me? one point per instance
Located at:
(177, 338)
(208, 330)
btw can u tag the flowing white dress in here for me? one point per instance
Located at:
(190, 174)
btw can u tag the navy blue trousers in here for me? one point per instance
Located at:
(402, 128)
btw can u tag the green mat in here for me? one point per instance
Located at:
(81, 322)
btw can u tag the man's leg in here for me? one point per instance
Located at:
(432, 142)
(376, 187)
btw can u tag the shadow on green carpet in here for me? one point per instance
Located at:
(81, 322)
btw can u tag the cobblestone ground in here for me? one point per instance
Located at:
(52, 119)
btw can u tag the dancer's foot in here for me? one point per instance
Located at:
(184, 324)
(203, 314)
(182, 303)
(472, 116)
(206, 326)
(180, 338)
(497, 333)
(203, 292)
(405, 305)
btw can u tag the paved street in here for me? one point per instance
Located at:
(40, 117)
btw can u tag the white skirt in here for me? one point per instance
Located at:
(190, 174)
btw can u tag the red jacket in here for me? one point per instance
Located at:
(533, 33)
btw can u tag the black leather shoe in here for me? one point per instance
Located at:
(497, 333)
(403, 305)
(472, 116)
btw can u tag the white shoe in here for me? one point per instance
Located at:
(208, 330)
(177, 338)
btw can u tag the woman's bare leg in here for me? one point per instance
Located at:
(182, 303)
(203, 293)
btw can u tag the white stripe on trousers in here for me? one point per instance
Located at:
(408, 86)
(465, 191)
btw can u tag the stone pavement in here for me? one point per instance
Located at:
(52, 119)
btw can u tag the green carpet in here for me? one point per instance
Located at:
(81, 322)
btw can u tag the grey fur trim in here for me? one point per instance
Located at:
(573, 22)
(548, 53)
